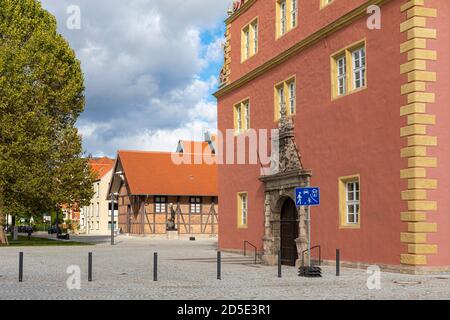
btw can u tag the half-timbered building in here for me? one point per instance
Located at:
(156, 195)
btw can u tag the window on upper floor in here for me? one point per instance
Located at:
(294, 13)
(249, 40)
(242, 116)
(285, 97)
(287, 16)
(359, 68)
(324, 3)
(348, 68)
(97, 190)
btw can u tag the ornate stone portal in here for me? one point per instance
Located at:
(279, 187)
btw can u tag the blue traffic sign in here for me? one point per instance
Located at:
(307, 196)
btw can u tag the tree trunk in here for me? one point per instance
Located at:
(13, 228)
(3, 238)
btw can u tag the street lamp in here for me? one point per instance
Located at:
(112, 197)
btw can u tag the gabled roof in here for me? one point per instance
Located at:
(155, 173)
(101, 166)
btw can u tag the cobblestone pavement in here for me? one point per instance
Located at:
(187, 270)
(93, 239)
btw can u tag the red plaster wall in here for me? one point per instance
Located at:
(355, 134)
(311, 19)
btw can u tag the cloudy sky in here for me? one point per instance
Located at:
(150, 68)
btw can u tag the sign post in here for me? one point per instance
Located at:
(308, 197)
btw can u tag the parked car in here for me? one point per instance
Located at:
(54, 230)
(25, 229)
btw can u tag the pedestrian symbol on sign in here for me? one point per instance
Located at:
(307, 196)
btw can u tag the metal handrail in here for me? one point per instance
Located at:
(245, 249)
(320, 254)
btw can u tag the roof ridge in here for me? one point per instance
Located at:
(159, 152)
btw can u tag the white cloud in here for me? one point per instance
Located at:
(197, 119)
(214, 51)
(142, 61)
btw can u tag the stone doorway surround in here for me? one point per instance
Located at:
(278, 188)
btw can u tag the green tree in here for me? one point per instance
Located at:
(41, 97)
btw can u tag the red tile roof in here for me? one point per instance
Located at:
(154, 173)
(101, 166)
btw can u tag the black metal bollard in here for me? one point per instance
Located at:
(90, 267)
(219, 267)
(20, 266)
(155, 266)
(338, 262)
(279, 264)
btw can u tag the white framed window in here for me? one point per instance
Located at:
(242, 116)
(283, 17)
(349, 70)
(255, 37)
(239, 118)
(97, 190)
(195, 204)
(281, 102)
(352, 202)
(247, 114)
(97, 226)
(341, 67)
(287, 16)
(160, 204)
(242, 209)
(98, 209)
(285, 96)
(292, 97)
(359, 68)
(294, 13)
(249, 40)
(247, 44)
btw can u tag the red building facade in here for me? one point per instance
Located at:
(371, 118)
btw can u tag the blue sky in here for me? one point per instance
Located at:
(150, 68)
